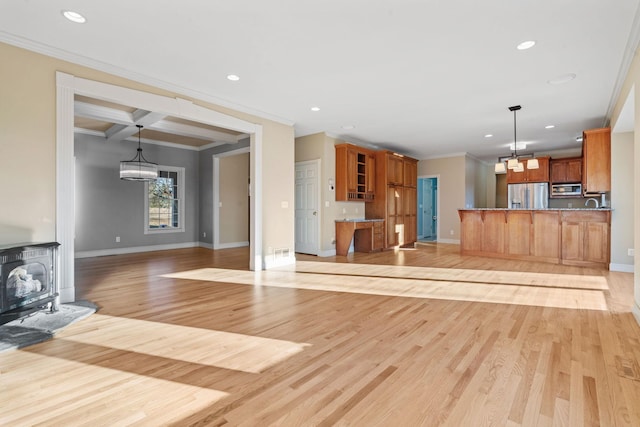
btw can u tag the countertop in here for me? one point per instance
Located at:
(545, 209)
(359, 220)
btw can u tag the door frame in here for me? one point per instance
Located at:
(216, 193)
(67, 86)
(318, 164)
(437, 178)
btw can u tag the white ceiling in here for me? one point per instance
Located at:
(423, 77)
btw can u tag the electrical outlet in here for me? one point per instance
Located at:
(117, 239)
(344, 210)
(204, 234)
(631, 252)
(451, 232)
(570, 205)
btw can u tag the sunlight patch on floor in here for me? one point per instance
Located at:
(152, 396)
(409, 286)
(454, 274)
(221, 349)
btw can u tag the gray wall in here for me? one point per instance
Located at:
(107, 207)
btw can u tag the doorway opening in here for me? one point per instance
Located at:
(428, 209)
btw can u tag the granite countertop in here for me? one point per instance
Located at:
(526, 209)
(359, 220)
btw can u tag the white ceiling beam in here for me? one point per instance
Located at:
(124, 124)
(193, 131)
(147, 118)
(120, 132)
(101, 113)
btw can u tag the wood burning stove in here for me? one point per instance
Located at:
(27, 279)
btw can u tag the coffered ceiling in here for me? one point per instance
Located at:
(426, 78)
(119, 122)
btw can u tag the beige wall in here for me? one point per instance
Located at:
(621, 199)
(476, 184)
(28, 143)
(451, 171)
(321, 146)
(234, 199)
(632, 83)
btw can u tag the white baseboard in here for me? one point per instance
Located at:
(636, 312)
(623, 268)
(452, 241)
(271, 261)
(205, 245)
(230, 245)
(135, 249)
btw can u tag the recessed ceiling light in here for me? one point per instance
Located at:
(526, 45)
(549, 126)
(233, 77)
(74, 16)
(488, 135)
(565, 78)
(348, 127)
(315, 108)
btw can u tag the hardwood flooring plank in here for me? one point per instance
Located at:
(421, 337)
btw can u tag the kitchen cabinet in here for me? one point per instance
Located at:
(410, 167)
(586, 237)
(596, 161)
(541, 174)
(355, 173)
(396, 198)
(410, 212)
(565, 171)
(395, 171)
(578, 237)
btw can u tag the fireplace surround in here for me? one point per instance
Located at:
(28, 281)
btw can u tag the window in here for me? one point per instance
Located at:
(164, 201)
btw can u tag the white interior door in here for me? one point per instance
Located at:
(307, 215)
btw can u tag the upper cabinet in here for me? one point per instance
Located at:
(355, 173)
(596, 160)
(566, 171)
(395, 170)
(541, 174)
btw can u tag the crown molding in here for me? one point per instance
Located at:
(74, 58)
(627, 58)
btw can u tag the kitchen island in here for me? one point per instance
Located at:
(563, 236)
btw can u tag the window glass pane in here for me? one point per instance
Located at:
(163, 201)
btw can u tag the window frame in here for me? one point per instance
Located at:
(181, 202)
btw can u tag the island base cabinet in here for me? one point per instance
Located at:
(519, 232)
(546, 236)
(586, 240)
(572, 237)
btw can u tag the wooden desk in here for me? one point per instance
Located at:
(368, 235)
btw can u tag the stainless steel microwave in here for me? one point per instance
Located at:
(566, 190)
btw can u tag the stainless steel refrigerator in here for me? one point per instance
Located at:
(528, 196)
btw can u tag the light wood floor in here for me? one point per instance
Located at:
(419, 337)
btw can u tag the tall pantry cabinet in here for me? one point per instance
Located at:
(396, 198)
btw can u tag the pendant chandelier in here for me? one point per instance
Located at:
(138, 168)
(513, 161)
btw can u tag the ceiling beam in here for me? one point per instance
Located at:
(193, 132)
(104, 114)
(124, 124)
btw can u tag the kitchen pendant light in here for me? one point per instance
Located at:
(513, 162)
(138, 168)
